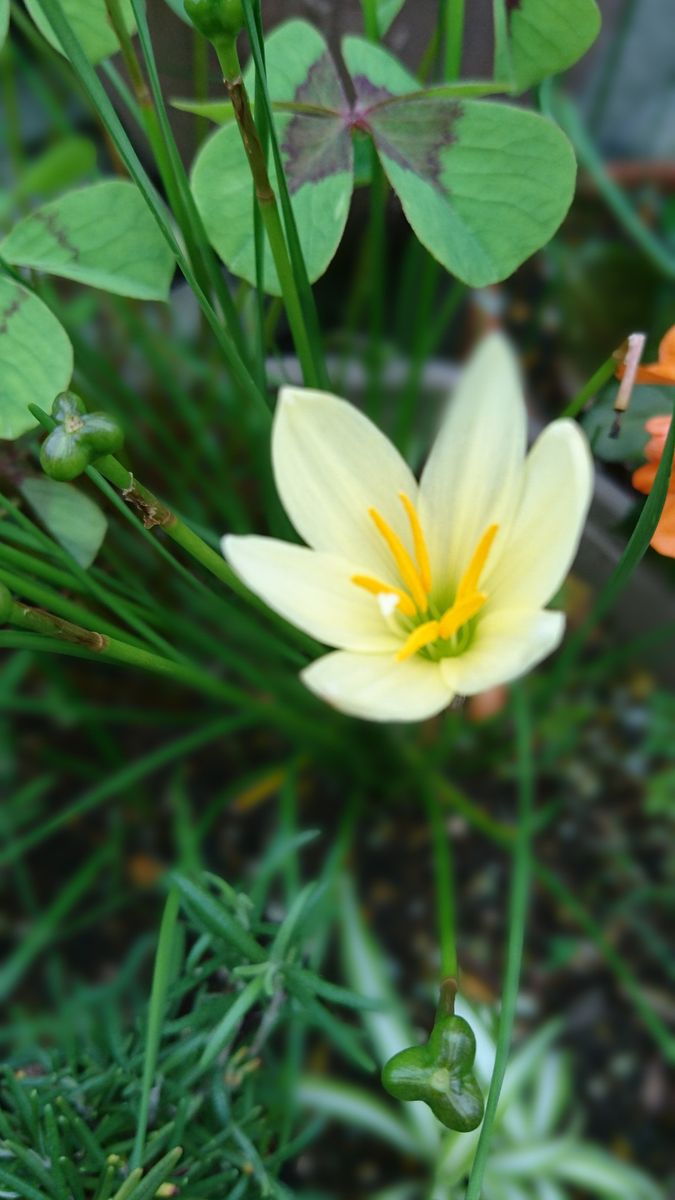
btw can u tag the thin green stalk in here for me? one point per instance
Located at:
(267, 205)
(16, 965)
(454, 37)
(517, 914)
(255, 34)
(120, 782)
(597, 380)
(371, 24)
(154, 513)
(445, 889)
(377, 275)
(504, 836)
(99, 99)
(107, 649)
(194, 227)
(164, 965)
(635, 551)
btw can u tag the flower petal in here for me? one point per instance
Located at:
(473, 475)
(331, 466)
(507, 644)
(548, 523)
(313, 591)
(377, 688)
(663, 540)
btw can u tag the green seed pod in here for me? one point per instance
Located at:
(440, 1073)
(216, 19)
(6, 603)
(101, 433)
(63, 455)
(68, 407)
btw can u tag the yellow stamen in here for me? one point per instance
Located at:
(469, 581)
(461, 612)
(404, 562)
(421, 552)
(377, 588)
(419, 638)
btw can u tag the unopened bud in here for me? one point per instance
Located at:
(216, 19)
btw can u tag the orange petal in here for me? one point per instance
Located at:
(654, 449)
(644, 477)
(667, 348)
(658, 426)
(663, 540)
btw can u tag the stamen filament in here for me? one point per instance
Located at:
(404, 562)
(461, 612)
(470, 579)
(419, 638)
(421, 552)
(377, 588)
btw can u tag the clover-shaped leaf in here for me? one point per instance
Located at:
(440, 1073)
(78, 439)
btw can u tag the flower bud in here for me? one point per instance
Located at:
(216, 19)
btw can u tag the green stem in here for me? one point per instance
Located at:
(164, 963)
(371, 24)
(267, 204)
(454, 38)
(518, 904)
(600, 377)
(99, 99)
(154, 513)
(445, 890)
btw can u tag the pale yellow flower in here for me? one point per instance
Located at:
(429, 590)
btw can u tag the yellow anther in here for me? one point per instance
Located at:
(420, 637)
(460, 612)
(377, 588)
(469, 582)
(421, 552)
(407, 568)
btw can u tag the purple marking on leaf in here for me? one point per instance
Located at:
(512, 5)
(412, 130)
(317, 144)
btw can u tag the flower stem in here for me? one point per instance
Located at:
(453, 21)
(445, 889)
(153, 512)
(267, 203)
(597, 380)
(518, 904)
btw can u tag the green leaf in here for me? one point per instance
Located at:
(89, 19)
(73, 520)
(483, 185)
(544, 37)
(4, 21)
(218, 111)
(177, 6)
(102, 235)
(317, 155)
(36, 358)
(629, 446)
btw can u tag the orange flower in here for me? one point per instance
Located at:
(663, 540)
(661, 372)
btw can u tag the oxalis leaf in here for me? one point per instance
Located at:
(483, 185)
(319, 161)
(73, 520)
(89, 19)
(36, 358)
(102, 235)
(538, 38)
